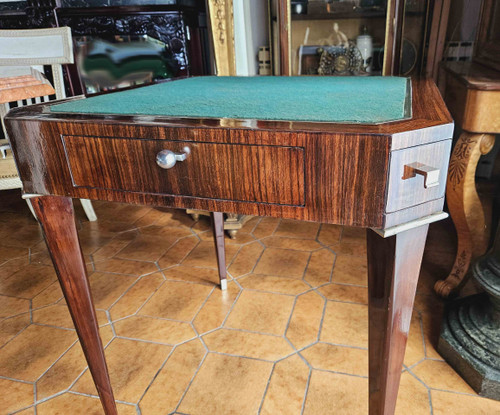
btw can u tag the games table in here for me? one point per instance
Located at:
(360, 151)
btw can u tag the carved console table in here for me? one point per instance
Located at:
(473, 97)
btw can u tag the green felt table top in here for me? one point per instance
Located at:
(372, 100)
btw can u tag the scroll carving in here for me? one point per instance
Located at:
(458, 163)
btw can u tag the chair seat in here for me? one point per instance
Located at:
(9, 178)
(21, 87)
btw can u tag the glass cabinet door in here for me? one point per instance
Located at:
(488, 48)
(416, 31)
(349, 37)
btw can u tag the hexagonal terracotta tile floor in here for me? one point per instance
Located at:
(287, 337)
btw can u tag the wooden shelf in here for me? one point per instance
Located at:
(340, 15)
(348, 15)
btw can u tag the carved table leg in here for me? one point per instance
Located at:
(56, 216)
(465, 207)
(393, 270)
(218, 229)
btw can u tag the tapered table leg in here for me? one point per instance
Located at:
(218, 229)
(393, 269)
(57, 219)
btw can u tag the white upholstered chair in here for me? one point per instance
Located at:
(23, 55)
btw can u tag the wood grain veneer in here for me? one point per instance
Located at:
(393, 270)
(332, 173)
(471, 92)
(232, 172)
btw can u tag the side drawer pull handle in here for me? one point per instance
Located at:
(166, 159)
(431, 174)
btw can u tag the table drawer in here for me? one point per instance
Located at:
(406, 187)
(234, 172)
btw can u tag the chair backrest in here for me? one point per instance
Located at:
(38, 47)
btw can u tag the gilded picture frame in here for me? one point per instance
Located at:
(222, 33)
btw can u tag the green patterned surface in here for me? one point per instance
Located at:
(325, 99)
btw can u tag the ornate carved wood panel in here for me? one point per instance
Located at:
(167, 27)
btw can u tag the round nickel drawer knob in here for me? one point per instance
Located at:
(167, 159)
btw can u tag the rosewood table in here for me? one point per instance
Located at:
(370, 152)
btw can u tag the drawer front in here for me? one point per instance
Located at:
(406, 186)
(233, 172)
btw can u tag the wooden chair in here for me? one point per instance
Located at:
(23, 55)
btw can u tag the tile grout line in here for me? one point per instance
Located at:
(113, 330)
(201, 307)
(413, 375)
(279, 336)
(323, 314)
(231, 308)
(27, 382)
(336, 372)
(174, 348)
(89, 395)
(266, 388)
(136, 313)
(287, 326)
(306, 392)
(191, 380)
(17, 315)
(15, 336)
(53, 327)
(57, 360)
(349, 346)
(137, 279)
(304, 273)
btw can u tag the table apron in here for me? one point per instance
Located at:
(346, 179)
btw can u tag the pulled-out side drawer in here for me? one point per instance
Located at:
(234, 172)
(407, 182)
